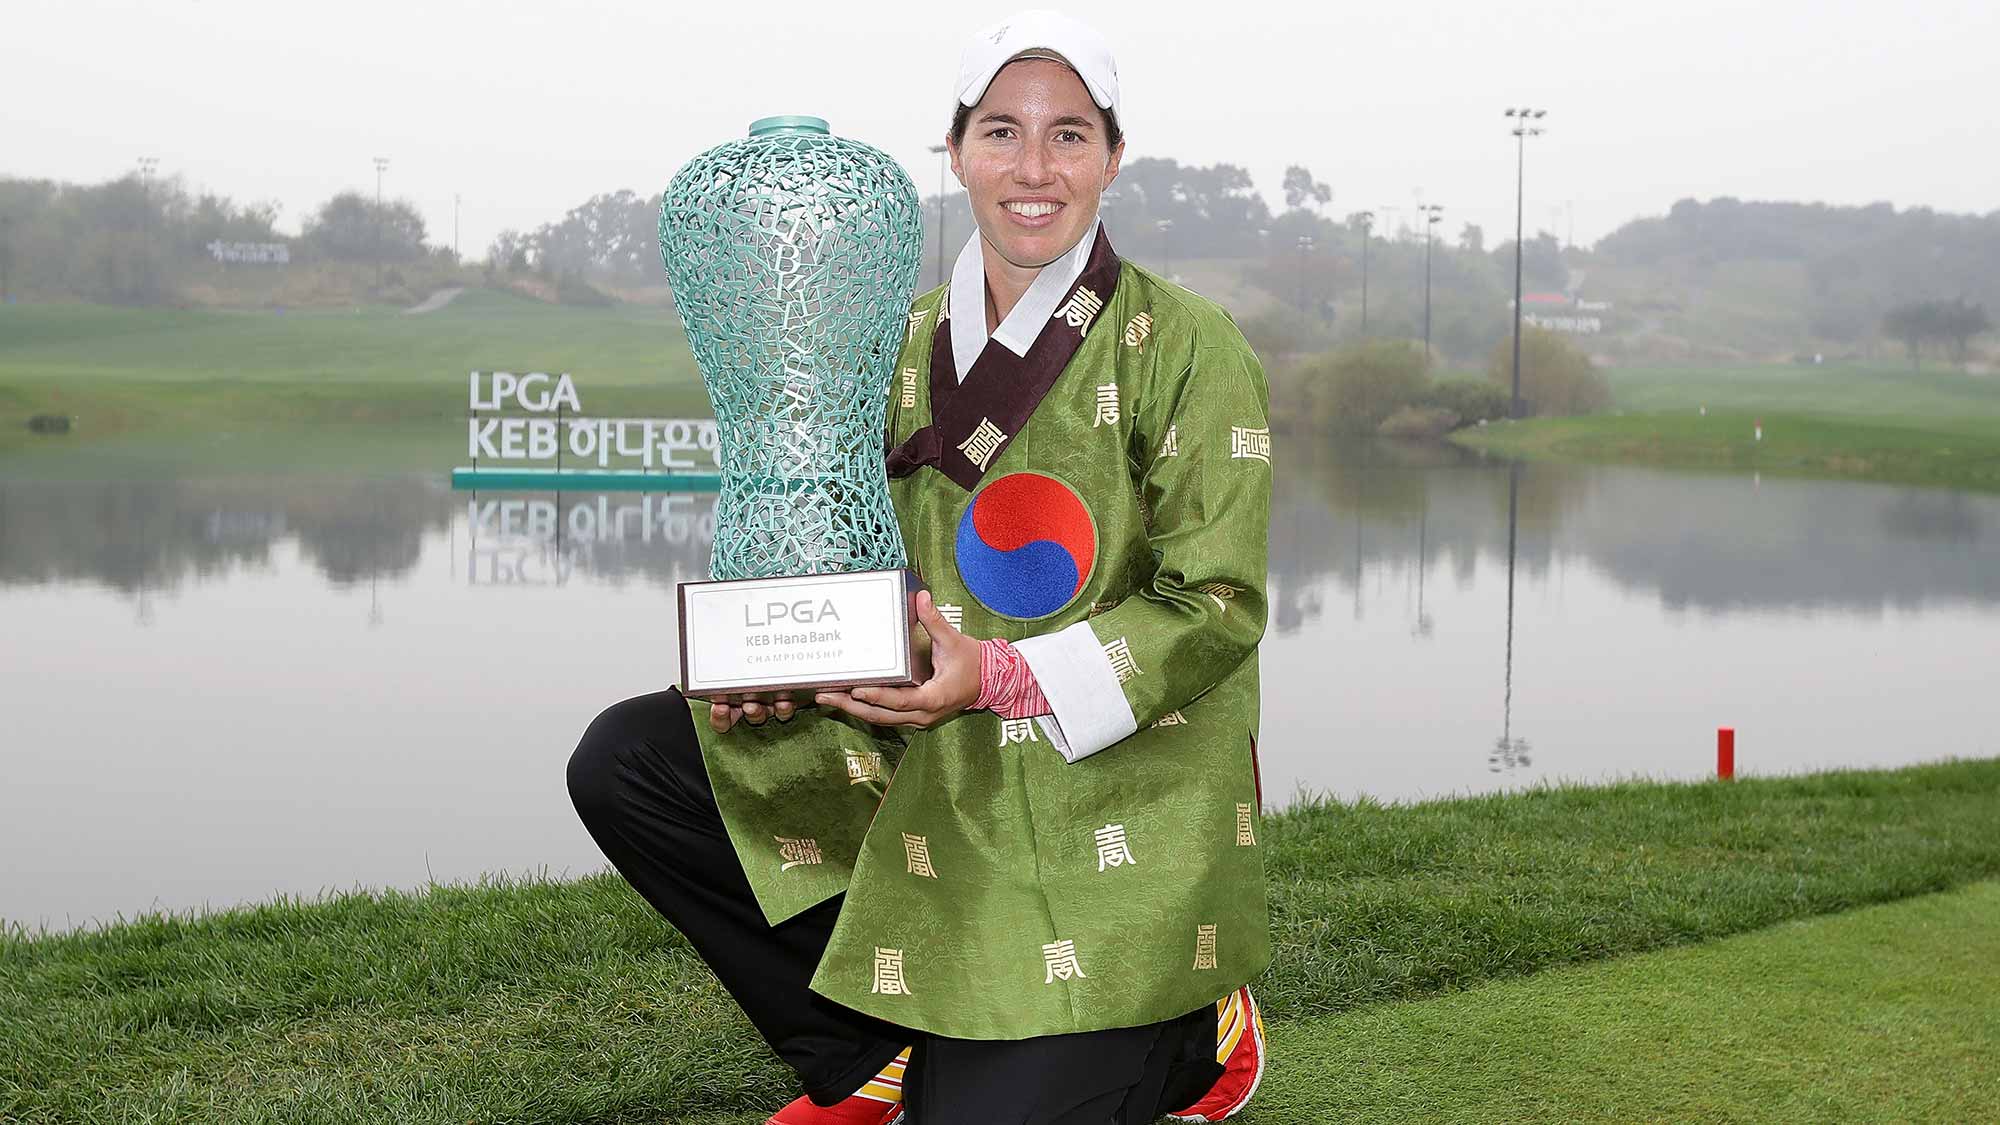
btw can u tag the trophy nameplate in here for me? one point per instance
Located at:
(792, 635)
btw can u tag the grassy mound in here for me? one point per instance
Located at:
(574, 1002)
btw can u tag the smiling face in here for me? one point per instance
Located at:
(1034, 160)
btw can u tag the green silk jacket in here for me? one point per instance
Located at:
(1102, 867)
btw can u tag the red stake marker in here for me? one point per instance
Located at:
(1725, 753)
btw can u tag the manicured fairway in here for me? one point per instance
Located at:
(1889, 1013)
(1875, 390)
(160, 378)
(1961, 452)
(1864, 423)
(573, 1002)
(483, 329)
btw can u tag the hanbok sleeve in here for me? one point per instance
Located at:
(1205, 481)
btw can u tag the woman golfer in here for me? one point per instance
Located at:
(1029, 889)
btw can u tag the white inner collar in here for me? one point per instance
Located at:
(1029, 316)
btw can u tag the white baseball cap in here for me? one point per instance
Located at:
(1039, 34)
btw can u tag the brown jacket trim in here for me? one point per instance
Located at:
(974, 421)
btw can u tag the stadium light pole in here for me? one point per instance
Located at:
(1166, 248)
(1305, 247)
(147, 166)
(1367, 236)
(1524, 128)
(943, 162)
(381, 166)
(1264, 250)
(1433, 214)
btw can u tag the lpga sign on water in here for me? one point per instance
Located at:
(548, 430)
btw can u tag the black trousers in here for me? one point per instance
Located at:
(640, 787)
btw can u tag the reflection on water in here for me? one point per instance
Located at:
(139, 536)
(1577, 622)
(1509, 753)
(513, 540)
(224, 689)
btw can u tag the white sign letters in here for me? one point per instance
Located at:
(258, 253)
(496, 438)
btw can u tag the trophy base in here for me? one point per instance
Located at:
(778, 638)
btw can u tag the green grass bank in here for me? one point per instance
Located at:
(573, 1002)
(1885, 1013)
(1854, 422)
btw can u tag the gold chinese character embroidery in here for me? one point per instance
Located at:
(1081, 308)
(983, 444)
(1112, 848)
(1107, 406)
(1138, 328)
(797, 852)
(863, 765)
(917, 851)
(1251, 443)
(1119, 653)
(889, 973)
(1244, 836)
(1060, 957)
(1204, 947)
(1017, 730)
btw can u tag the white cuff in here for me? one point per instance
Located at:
(1076, 678)
(1053, 730)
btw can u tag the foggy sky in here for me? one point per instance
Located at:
(528, 109)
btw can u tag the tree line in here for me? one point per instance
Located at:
(132, 239)
(137, 239)
(1946, 326)
(1209, 212)
(1859, 262)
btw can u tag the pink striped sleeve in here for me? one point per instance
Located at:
(1007, 685)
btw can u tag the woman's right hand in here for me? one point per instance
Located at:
(723, 716)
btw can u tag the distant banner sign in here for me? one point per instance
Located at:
(259, 253)
(1575, 325)
(497, 439)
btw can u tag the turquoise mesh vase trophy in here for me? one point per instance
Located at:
(793, 255)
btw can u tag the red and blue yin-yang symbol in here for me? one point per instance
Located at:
(1026, 545)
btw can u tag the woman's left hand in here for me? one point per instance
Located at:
(953, 686)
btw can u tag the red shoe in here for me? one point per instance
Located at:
(1239, 1047)
(878, 1102)
(854, 1111)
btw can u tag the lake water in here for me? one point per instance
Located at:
(222, 689)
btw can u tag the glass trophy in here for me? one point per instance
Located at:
(793, 255)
